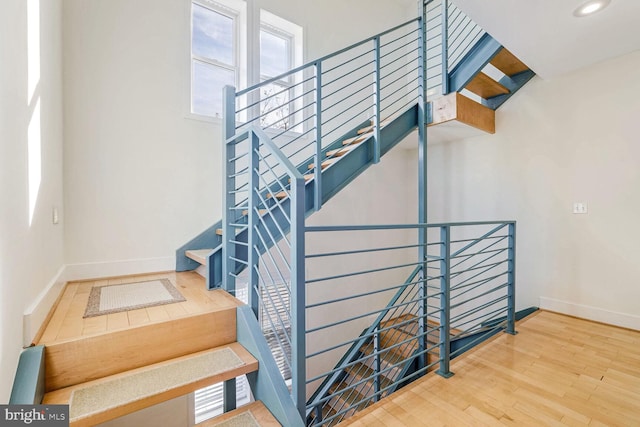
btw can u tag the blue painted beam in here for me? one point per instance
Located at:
(513, 83)
(267, 384)
(474, 61)
(28, 384)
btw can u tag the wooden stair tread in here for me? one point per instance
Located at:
(279, 195)
(368, 129)
(485, 87)
(357, 139)
(149, 384)
(260, 212)
(508, 63)
(344, 398)
(199, 255)
(338, 152)
(360, 371)
(326, 163)
(307, 178)
(257, 409)
(392, 337)
(456, 106)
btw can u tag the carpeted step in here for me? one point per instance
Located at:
(254, 414)
(111, 397)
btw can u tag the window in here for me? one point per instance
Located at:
(221, 54)
(276, 57)
(213, 57)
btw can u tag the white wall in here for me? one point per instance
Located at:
(31, 247)
(570, 139)
(142, 179)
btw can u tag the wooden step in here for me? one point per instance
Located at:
(359, 372)
(84, 359)
(279, 195)
(199, 255)
(456, 106)
(357, 139)
(507, 62)
(388, 359)
(219, 231)
(369, 129)
(113, 396)
(235, 418)
(485, 87)
(261, 212)
(307, 177)
(339, 152)
(392, 337)
(325, 163)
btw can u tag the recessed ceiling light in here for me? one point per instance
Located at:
(591, 7)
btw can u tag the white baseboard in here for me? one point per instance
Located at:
(36, 313)
(596, 314)
(97, 270)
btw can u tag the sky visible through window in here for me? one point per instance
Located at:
(275, 57)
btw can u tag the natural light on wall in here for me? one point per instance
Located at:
(34, 137)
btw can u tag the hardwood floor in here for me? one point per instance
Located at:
(558, 371)
(66, 322)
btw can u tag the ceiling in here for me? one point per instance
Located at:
(546, 36)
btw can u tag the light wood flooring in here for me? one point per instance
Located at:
(66, 322)
(558, 371)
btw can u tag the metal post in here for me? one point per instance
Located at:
(377, 99)
(229, 395)
(229, 180)
(298, 318)
(253, 249)
(445, 46)
(445, 301)
(376, 364)
(317, 201)
(422, 192)
(511, 290)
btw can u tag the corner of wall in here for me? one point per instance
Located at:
(37, 313)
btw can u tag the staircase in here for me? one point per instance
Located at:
(278, 173)
(115, 373)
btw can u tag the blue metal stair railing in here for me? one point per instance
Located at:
(468, 290)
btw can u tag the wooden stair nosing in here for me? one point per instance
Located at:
(326, 163)
(63, 396)
(485, 87)
(360, 371)
(339, 152)
(260, 412)
(346, 399)
(357, 139)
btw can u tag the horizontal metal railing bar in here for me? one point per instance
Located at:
(488, 268)
(355, 385)
(362, 272)
(456, 270)
(302, 82)
(270, 255)
(360, 316)
(486, 317)
(390, 42)
(482, 252)
(361, 251)
(341, 88)
(463, 33)
(473, 239)
(238, 260)
(235, 225)
(460, 292)
(359, 113)
(341, 76)
(438, 17)
(291, 114)
(322, 59)
(349, 95)
(461, 48)
(366, 98)
(354, 296)
(407, 61)
(365, 357)
(483, 294)
(413, 70)
(317, 353)
(366, 379)
(324, 228)
(481, 281)
(236, 242)
(457, 273)
(408, 103)
(410, 42)
(457, 318)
